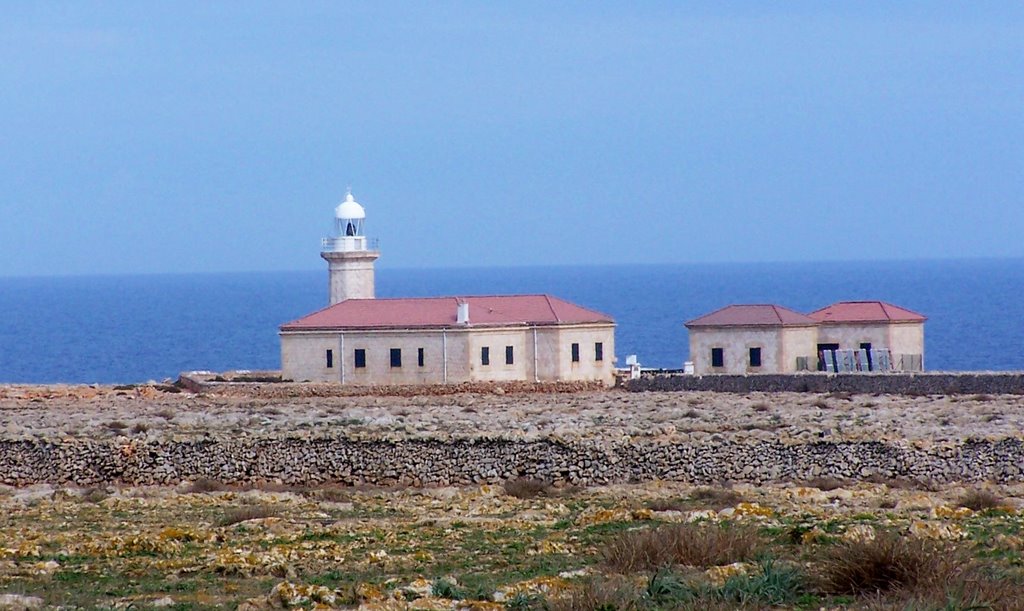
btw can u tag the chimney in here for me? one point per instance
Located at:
(462, 315)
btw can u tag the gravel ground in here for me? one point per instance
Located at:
(156, 412)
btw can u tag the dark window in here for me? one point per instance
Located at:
(419, 357)
(598, 351)
(717, 357)
(330, 359)
(755, 357)
(508, 355)
(485, 356)
(396, 357)
(360, 357)
(866, 347)
(575, 353)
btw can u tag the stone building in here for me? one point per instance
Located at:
(858, 329)
(754, 338)
(849, 336)
(358, 339)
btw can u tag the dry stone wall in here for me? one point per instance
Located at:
(310, 461)
(1011, 383)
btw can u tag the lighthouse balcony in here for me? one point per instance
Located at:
(350, 244)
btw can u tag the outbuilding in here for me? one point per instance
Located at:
(869, 336)
(845, 337)
(752, 338)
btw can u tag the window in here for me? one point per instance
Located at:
(509, 355)
(717, 357)
(575, 353)
(869, 366)
(419, 357)
(330, 359)
(755, 357)
(396, 357)
(598, 351)
(360, 358)
(485, 356)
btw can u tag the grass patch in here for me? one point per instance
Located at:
(681, 544)
(248, 512)
(715, 498)
(526, 487)
(825, 484)
(203, 485)
(889, 563)
(980, 500)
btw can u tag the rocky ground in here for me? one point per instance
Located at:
(524, 546)
(483, 548)
(157, 412)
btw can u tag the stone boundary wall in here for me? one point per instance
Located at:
(463, 462)
(993, 383)
(265, 385)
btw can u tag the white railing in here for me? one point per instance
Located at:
(349, 244)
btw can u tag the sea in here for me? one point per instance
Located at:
(130, 329)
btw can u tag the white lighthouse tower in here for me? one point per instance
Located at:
(349, 254)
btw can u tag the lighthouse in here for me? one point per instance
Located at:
(349, 254)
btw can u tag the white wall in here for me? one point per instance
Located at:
(303, 355)
(736, 343)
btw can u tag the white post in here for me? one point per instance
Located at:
(536, 373)
(444, 352)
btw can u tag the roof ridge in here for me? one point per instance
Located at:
(465, 296)
(547, 299)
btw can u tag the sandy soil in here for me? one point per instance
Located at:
(149, 411)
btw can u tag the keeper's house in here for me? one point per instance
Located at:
(436, 340)
(845, 337)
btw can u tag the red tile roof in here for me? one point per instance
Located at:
(422, 312)
(752, 315)
(865, 311)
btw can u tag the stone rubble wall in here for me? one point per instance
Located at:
(993, 383)
(312, 461)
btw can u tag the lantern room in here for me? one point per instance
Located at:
(349, 220)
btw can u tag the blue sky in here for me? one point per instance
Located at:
(146, 137)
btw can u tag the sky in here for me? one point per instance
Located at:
(145, 137)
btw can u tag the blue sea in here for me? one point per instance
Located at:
(110, 329)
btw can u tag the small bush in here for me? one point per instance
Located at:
(526, 487)
(825, 484)
(684, 544)
(691, 413)
(205, 484)
(442, 588)
(980, 500)
(140, 428)
(332, 494)
(674, 504)
(117, 425)
(166, 413)
(716, 498)
(889, 563)
(95, 495)
(604, 593)
(982, 398)
(248, 512)
(773, 585)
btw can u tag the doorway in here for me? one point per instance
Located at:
(827, 351)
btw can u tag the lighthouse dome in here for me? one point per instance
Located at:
(349, 209)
